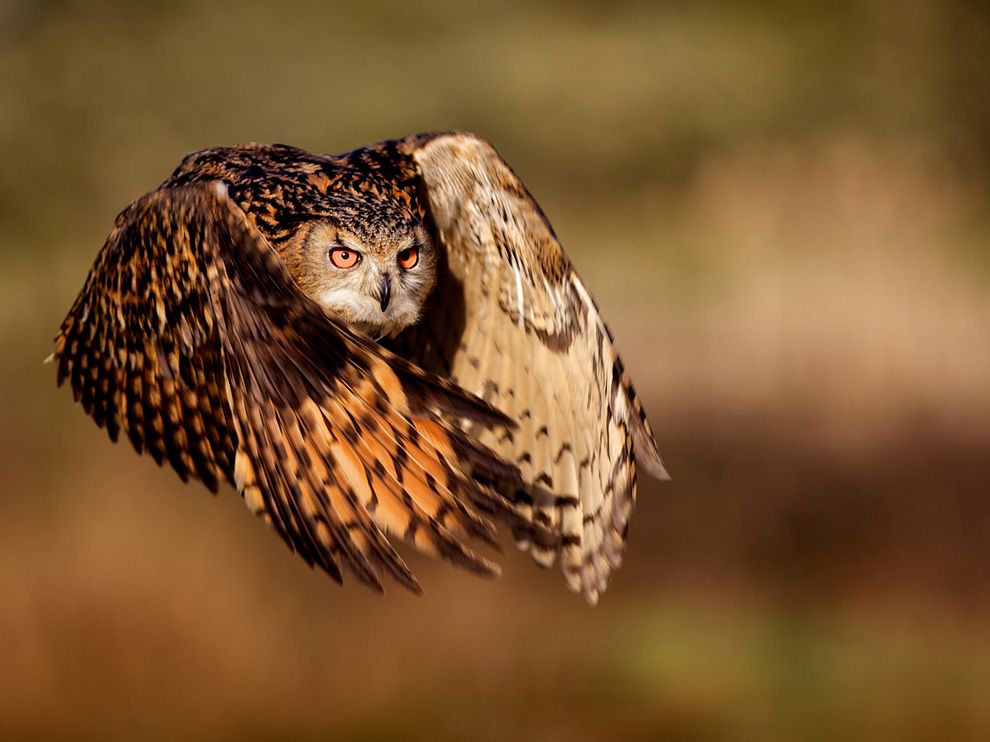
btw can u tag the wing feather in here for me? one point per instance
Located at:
(535, 346)
(190, 336)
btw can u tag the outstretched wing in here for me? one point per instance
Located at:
(190, 336)
(511, 321)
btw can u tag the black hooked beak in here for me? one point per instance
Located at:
(385, 293)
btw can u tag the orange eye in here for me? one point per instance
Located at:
(409, 257)
(344, 257)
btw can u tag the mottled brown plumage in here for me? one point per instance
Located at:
(212, 333)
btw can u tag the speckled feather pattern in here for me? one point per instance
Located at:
(535, 346)
(193, 337)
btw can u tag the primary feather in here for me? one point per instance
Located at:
(536, 347)
(213, 332)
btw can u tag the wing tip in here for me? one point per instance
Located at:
(591, 596)
(654, 466)
(647, 454)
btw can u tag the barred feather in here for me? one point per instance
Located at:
(191, 337)
(536, 347)
(198, 335)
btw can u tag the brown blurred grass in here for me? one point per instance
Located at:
(782, 212)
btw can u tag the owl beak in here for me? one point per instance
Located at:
(385, 292)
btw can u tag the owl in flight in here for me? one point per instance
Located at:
(389, 342)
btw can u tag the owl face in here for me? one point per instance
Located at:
(376, 278)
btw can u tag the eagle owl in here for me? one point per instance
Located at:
(389, 342)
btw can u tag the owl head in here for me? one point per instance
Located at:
(370, 266)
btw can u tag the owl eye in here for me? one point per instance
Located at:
(344, 257)
(409, 257)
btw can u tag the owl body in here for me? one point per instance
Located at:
(388, 342)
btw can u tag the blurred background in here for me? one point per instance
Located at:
(782, 210)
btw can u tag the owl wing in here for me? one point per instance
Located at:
(511, 321)
(190, 336)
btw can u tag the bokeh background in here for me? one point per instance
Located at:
(782, 209)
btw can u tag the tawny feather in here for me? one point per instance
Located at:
(536, 347)
(190, 336)
(213, 332)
